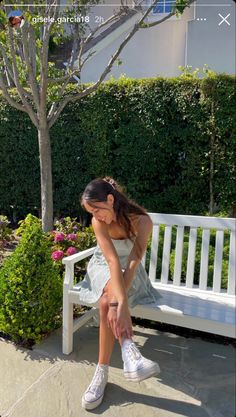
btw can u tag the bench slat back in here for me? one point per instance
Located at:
(179, 254)
(218, 260)
(154, 253)
(192, 225)
(191, 257)
(204, 259)
(232, 263)
(166, 257)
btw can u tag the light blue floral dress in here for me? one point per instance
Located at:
(98, 273)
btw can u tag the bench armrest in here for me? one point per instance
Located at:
(69, 262)
(72, 259)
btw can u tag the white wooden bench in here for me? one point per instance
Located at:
(209, 309)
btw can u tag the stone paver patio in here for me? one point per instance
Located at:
(197, 378)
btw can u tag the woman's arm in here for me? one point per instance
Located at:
(120, 323)
(110, 254)
(143, 229)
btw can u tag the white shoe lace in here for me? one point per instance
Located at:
(97, 385)
(133, 353)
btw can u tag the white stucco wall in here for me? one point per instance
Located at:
(212, 41)
(151, 52)
(176, 42)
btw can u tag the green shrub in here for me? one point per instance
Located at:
(30, 286)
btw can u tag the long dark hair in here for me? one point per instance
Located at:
(97, 191)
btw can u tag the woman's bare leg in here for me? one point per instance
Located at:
(106, 337)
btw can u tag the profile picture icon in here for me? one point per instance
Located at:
(16, 19)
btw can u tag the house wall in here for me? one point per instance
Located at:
(160, 50)
(151, 52)
(208, 41)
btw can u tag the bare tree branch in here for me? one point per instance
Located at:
(21, 91)
(79, 51)
(60, 80)
(80, 54)
(44, 70)
(32, 49)
(61, 92)
(83, 42)
(7, 63)
(81, 64)
(55, 9)
(75, 46)
(9, 71)
(66, 79)
(44, 58)
(50, 8)
(111, 19)
(150, 25)
(10, 100)
(54, 116)
(32, 80)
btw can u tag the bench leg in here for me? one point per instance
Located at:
(67, 327)
(96, 319)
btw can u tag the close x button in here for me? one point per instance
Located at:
(223, 19)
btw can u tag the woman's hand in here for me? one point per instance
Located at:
(123, 327)
(112, 320)
(119, 321)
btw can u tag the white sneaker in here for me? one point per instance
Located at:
(136, 367)
(93, 396)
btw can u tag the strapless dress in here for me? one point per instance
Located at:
(98, 273)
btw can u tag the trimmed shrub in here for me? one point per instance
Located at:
(168, 141)
(30, 286)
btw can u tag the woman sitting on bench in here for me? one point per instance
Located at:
(116, 278)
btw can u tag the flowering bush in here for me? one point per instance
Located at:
(59, 237)
(72, 236)
(71, 251)
(69, 237)
(57, 255)
(68, 226)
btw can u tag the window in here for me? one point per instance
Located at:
(163, 6)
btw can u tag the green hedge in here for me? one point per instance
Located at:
(155, 136)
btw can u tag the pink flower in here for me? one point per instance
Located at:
(59, 237)
(71, 251)
(72, 236)
(57, 255)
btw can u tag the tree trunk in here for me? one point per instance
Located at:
(46, 177)
(212, 160)
(211, 179)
